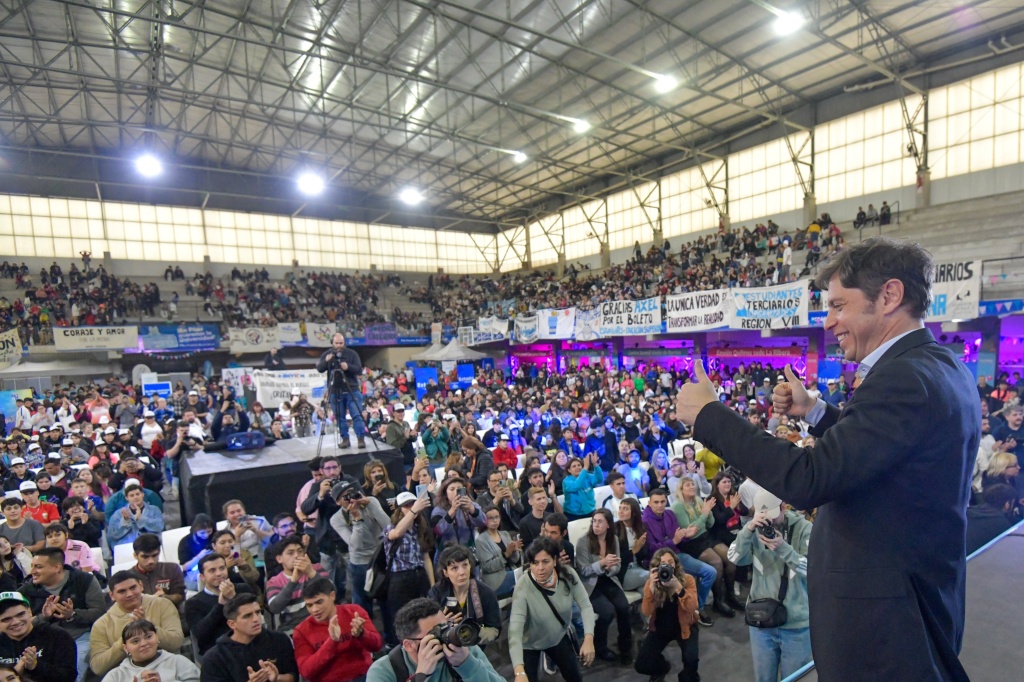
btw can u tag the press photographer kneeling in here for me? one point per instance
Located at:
(670, 604)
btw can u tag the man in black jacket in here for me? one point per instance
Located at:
(322, 499)
(986, 521)
(64, 597)
(46, 652)
(249, 646)
(344, 368)
(885, 578)
(204, 612)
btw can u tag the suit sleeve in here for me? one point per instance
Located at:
(881, 427)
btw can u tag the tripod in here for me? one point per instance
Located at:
(337, 418)
(323, 424)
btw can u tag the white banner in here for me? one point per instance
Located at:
(781, 307)
(273, 388)
(95, 338)
(289, 332)
(629, 318)
(956, 291)
(237, 378)
(497, 328)
(588, 324)
(696, 311)
(10, 348)
(557, 324)
(526, 329)
(319, 334)
(252, 339)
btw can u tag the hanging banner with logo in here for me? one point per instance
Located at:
(697, 310)
(588, 324)
(526, 329)
(956, 291)
(237, 378)
(557, 324)
(435, 332)
(181, 338)
(318, 334)
(273, 388)
(95, 338)
(495, 327)
(10, 348)
(289, 332)
(629, 318)
(781, 307)
(252, 339)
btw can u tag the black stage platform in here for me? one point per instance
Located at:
(991, 648)
(268, 480)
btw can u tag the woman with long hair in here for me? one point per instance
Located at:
(98, 487)
(409, 539)
(658, 471)
(727, 513)
(558, 470)
(696, 517)
(540, 621)
(259, 419)
(377, 483)
(456, 517)
(194, 547)
(600, 559)
(1003, 467)
(633, 540)
(14, 566)
(499, 554)
(671, 609)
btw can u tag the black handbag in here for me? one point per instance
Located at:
(570, 631)
(767, 612)
(379, 573)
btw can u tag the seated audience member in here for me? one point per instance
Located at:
(15, 564)
(204, 612)
(336, 642)
(499, 555)
(37, 649)
(49, 493)
(633, 540)
(250, 649)
(636, 479)
(227, 424)
(131, 467)
(617, 482)
(60, 475)
(884, 213)
(159, 578)
(251, 532)
(421, 656)
(43, 512)
(241, 565)
(19, 473)
(20, 529)
(530, 524)
(130, 604)
(135, 519)
(66, 598)
(194, 547)
(285, 525)
(987, 520)
(360, 523)
(79, 488)
(556, 527)
(671, 609)
(118, 501)
(861, 218)
(146, 661)
(81, 526)
(583, 476)
(284, 590)
(463, 597)
(77, 554)
(499, 495)
(695, 516)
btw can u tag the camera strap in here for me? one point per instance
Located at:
(397, 659)
(784, 583)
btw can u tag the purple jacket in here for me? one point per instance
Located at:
(660, 531)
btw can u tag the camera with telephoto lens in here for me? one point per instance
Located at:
(767, 532)
(666, 573)
(352, 495)
(466, 633)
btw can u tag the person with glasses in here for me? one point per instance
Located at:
(250, 652)
(286, 524)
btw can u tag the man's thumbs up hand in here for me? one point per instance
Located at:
(695, 395)
(790, 397)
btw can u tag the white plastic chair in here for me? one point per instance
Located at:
(643, 502)
(577, 529)
(97, 558)
(125, 566)
(600, 493)
(169, 541)
(123, 553)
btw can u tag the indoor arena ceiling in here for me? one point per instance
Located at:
(238, 97)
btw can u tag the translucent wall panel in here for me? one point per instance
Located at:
(511, 245)
(685, 199)
(976, 124)
(50, 228)
(545, 240)
(580, 234)
(401, 248)
(763, 181)
(864, 153)
(627, 223)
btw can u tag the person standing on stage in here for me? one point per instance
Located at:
(344, 367)
(886, 565)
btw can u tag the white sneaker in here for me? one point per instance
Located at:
(548, 664)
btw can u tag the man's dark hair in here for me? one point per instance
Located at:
(407, 620)
(237, 602)
(11, 502)
(208, 558)
(316, 586)
(146, 543)
(329, 458)
(55, 555)
(532, 471)
(613, 477)
(558, 519)
(281, 517)
(314, 464)
(998, 494)
(871, 263)
(455, 554)
(56, 527)
(122, 576)
(70, 502)
(286, 542)
(657, 491)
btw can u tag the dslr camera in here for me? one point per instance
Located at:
(767, 532)
(352, 495)
(466, 633)
(665, 574)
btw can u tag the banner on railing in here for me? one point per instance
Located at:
(956, 291)
(778, 307)
(273, 388)
(289, 332)
(319, 334)
(252, 339)
(381, 335)
(237, 378)
(697, 311)
(495, 327)
(629, 318)
(10, 348)
(588, 324)
(557, 324)
(95, 338)
(181, 338)
(526, 329)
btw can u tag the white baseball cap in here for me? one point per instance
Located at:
(765, 502)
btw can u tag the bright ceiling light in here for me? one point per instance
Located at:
(410, 196)
(148, 166)
(519, 157)
(580, 126)
(310, 183)
(665, 83)
(787, 23)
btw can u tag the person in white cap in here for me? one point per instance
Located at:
(71, 454)
(39, 650)
(18, 475)
(775, 542)
(148, 431)
(833, 396)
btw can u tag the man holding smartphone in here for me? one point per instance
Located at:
(500, 496)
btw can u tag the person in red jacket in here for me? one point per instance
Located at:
(504, 454)
(335, 642)
(43, 512)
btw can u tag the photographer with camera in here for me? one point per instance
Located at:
(670, 604)
(408, 543)
(464, 598)
(775, 541)
(359, 522)
(426, 653)
(344, 367)
(400, 436)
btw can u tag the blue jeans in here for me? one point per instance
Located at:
(351, 401)
(82, 648)
(507, 585)
(357, 577)
(703, 573)
(779, 651)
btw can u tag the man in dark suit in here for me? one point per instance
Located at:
(890, 474)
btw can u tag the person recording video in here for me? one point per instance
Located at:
(670, 604)
(343, 382)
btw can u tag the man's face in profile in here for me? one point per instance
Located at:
(857, 323)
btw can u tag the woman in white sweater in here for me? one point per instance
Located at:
(146, 662)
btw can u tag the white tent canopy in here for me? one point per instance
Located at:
(429, 353)
(455, 351)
